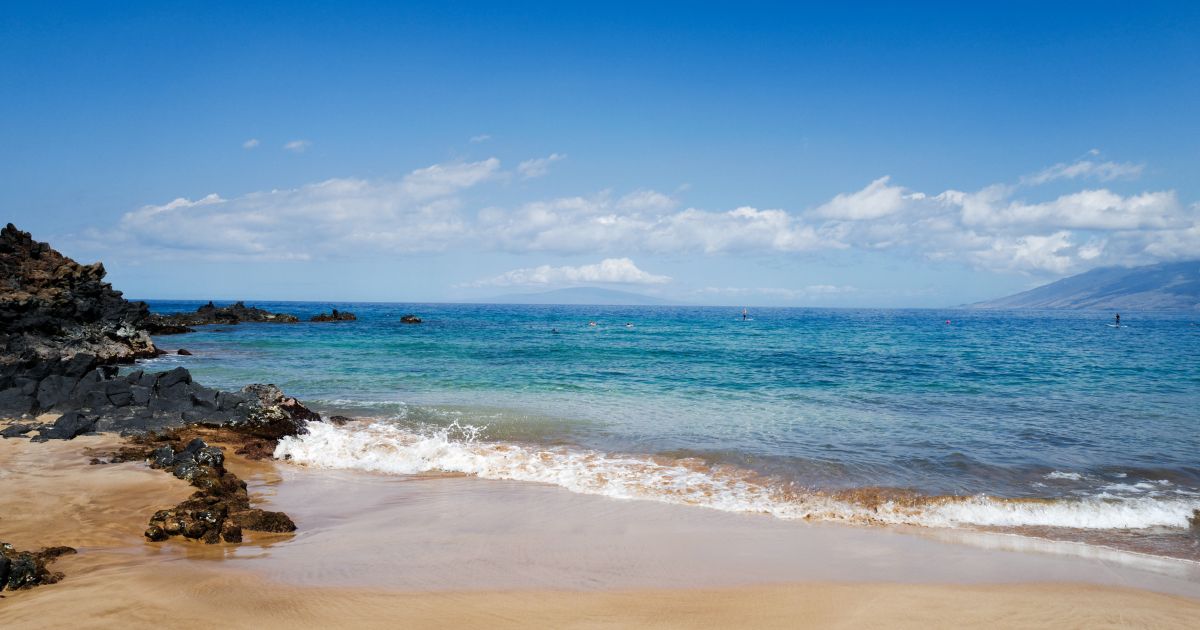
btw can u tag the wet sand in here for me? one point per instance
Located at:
(379, 551)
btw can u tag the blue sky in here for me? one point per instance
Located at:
(859, 155)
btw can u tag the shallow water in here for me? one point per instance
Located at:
(964, 418)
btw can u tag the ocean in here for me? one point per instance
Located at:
(1047, 424)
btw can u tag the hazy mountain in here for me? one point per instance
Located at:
(1165, 286)
(578, 295)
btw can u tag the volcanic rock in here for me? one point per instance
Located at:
(335, 316)
(58, 317)
(175, 323)
(24, 569)
(410, 319)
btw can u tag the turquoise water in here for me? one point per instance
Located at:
(1003, 404)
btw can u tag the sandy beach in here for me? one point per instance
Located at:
(380, 551)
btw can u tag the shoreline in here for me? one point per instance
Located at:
(454, 550)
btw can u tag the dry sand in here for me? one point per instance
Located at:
(377, 551)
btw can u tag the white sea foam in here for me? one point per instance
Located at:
(383, 447)
(1072, 476)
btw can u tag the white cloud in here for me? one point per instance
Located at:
(537, 167)
(1101, 171)
(645, 222)
(297, 146)
(607, 271)
(483, 137)
(1002, 227)
(444, 179)
(334, 218)
(250, 144)
(875, 201)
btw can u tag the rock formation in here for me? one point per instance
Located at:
(57, 316)
(410, 319)
(210, 313)
(25, 569)
(335, 316)
(220, 507)
(63, 330)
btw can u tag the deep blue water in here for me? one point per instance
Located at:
(1013, 404)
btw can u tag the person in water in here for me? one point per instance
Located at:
(745, 314)
(1118, 319)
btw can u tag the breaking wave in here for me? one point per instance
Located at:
(387, 448)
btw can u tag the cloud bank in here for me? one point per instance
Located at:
(607, 271)
(1015, 227)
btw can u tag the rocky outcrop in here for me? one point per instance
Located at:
(236, 313)
(59, 317)
(140, 402)
(335, 316)
(26, 569)
(63, 329)
(410, 319)
(220, 507)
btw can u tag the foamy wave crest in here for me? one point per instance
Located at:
(382, 447)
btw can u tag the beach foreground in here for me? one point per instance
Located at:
(375, 551)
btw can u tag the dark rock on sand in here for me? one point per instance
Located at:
(219, 509)
(17, 430)
(67, 426)
(335, 316)
(410, 319)
(24, 569)
(264, 521)
(238, 312)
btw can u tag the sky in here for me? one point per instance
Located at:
(857, 155)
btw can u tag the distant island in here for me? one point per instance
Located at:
(1162, 287)
(578, 296)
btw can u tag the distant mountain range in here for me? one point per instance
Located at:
(1161, 287)
(578, 296)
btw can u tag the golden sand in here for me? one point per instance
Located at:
(52, 496)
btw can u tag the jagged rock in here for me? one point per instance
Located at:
(24, 569)
(410, 319)
(58, 318)
(175, 323)
(219, 509)
(335, 316)
(273, 415)
(53, 309)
